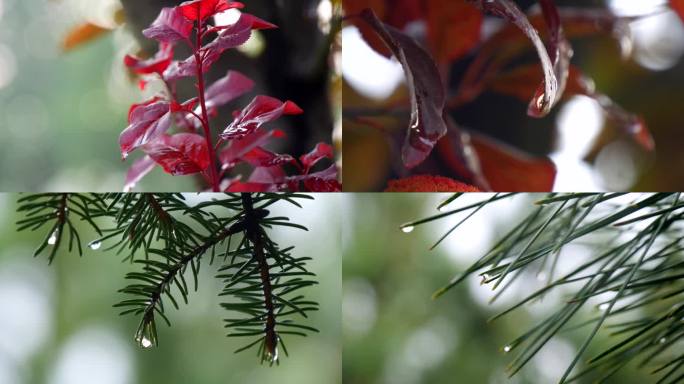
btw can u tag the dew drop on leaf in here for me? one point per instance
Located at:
(407, 228)
(53, 238)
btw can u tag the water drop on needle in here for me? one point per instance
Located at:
(95, 245)
(603, 306)
(507, 349)
(145, 342)
(408, 228)
(53, 238)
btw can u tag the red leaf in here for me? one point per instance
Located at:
(425, 86)
(320, 185)
(137, 171)
(180, 154)
(428, 183)
(226, 89)
(268, 175)
(231, 37)
(508, 169)
(517, 83)
(202, 9)
(239, 147)
(447, 19)
(261, 110)
(169, 26)
(157, 64)
(239, 186)
(678, 6)
(546, 95)
(146, 122)
(320, 152)
(260, 157)
(322, 179)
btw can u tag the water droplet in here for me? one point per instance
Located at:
(662, 340)
(507, 349)
(444, 208)
(407, 228)
(145, 342)
(603, 306)
(272, 357)
(53, 238)
(541, 276)
(95, 245)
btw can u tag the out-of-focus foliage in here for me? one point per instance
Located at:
(393, 331)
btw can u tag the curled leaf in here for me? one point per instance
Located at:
(180, 154)
(425, 87)
(320, 152)
(547, 94)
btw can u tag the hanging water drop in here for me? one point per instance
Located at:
(95, 245)
(146, 336)
(53, 238)
(407, 228)
(507, 349)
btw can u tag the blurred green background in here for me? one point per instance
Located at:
(57, 324)
(393, 331)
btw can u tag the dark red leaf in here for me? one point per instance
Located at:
(425, 87)
(260, 157)
(518, 81)
(320, 152)
(169, 26)
(560, 51)
(320, 185)
(180, 154)
(202, 9)
(239, 186)
(239, 147)
(226, 89)
(678, 6)
(447, 19)
(428, 183)
(546, 95)
(157, 64)
(508, 169)
(269, 175)
(261, 110)
(137, 171)
(147, 121)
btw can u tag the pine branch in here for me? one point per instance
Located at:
(641, 266)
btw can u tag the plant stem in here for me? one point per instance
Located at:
(205, 116)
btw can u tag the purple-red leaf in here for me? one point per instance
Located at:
(169, 26)
(560, 50)
(261, 110)
(227, 89)
(230, 37)
(137, 171)
(425, 87)
(146, 122)
(320, 152)
(157, 64)
(546, 95)
(202, 9)
(180, 154)
(260, 157)
(232, 153)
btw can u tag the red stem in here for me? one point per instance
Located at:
(205, 116)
